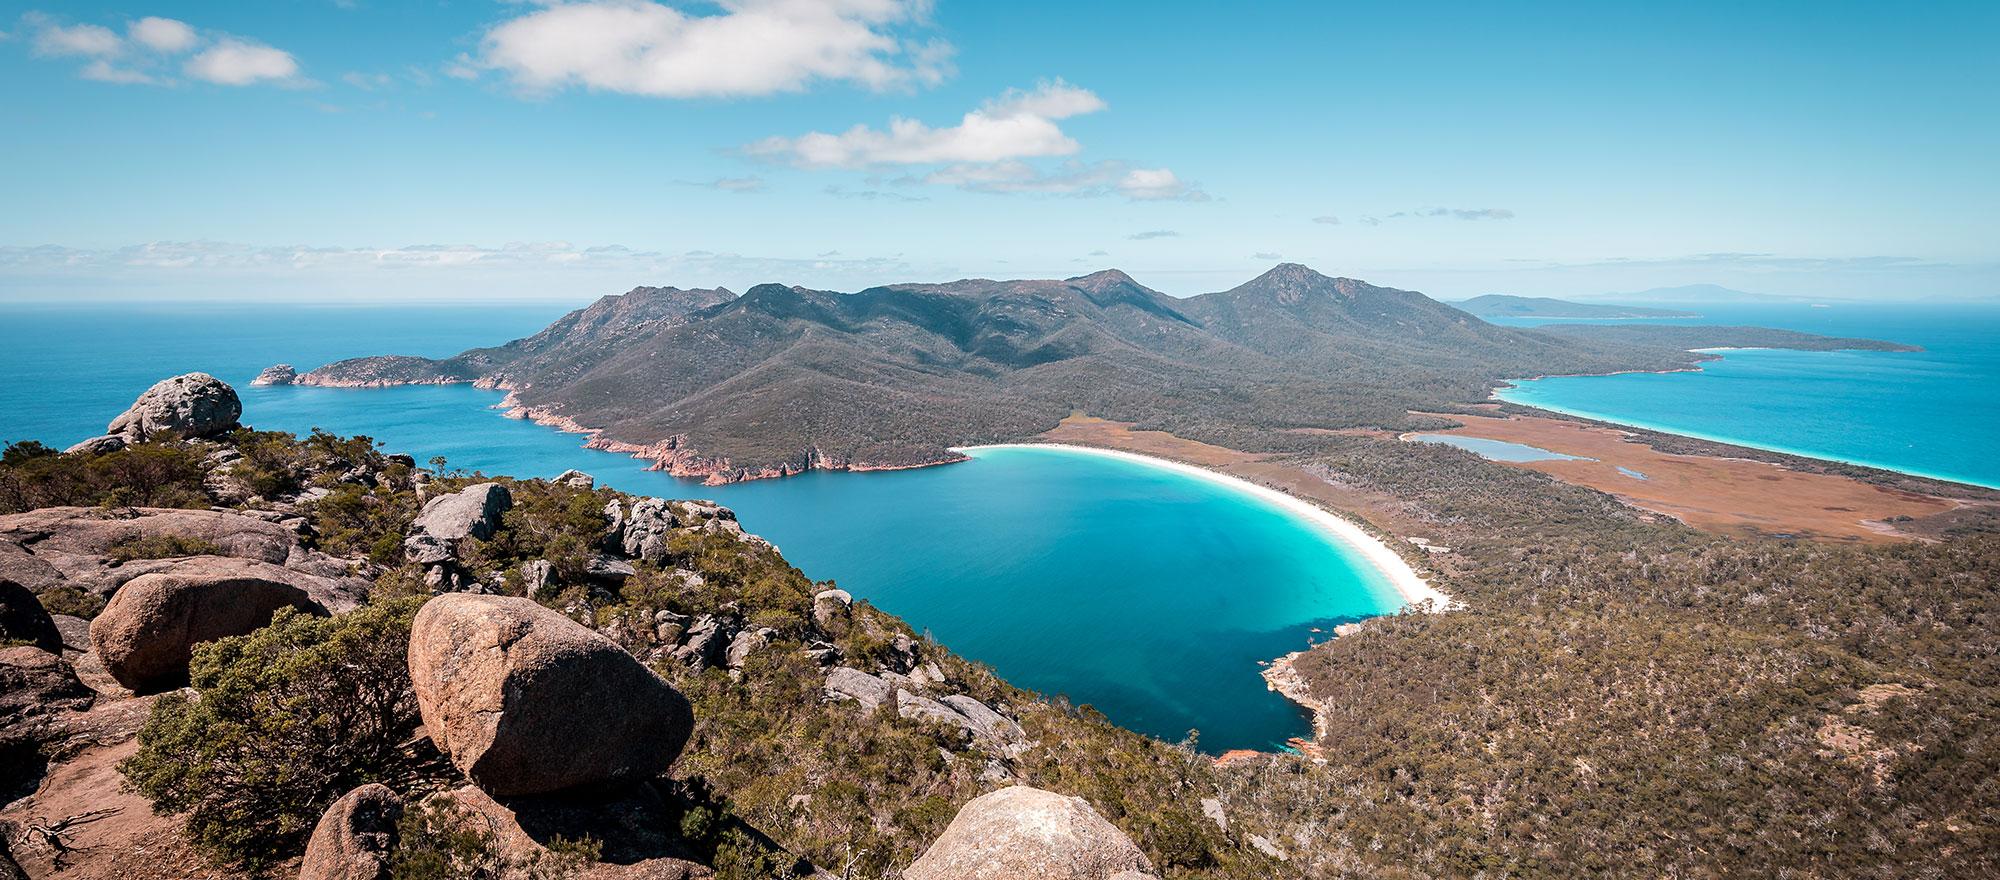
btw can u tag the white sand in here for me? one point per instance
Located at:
(1413, 588)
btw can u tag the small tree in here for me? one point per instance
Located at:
(283, 721)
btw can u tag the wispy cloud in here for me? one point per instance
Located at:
(1458, 213)
(1267, 255)
(1152, 234)
(152, 47)
(1327, 220)
(871, 195)
(745, 48)
(751, 184)
(205, 269)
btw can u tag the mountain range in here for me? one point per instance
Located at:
(783, 379)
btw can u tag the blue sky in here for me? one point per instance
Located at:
(300, 149)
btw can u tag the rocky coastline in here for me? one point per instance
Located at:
(677, 457)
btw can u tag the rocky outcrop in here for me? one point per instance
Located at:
(472, 512)
(354, 837)
(644, 531)
(34, 684)
(1027, 832)
(24, 620)
(147, 633)
(82, 547)
(830, 609)
(98, 445)
(185, 406)
(525, 701)
(276, 374)
(990, 727)
(848, 683)
(576, 479)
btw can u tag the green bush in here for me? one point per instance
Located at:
(142, 475)
(161, 547)
(283, 721)
(440, 840)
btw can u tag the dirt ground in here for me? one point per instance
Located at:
(1724, 495)
(1727, 495)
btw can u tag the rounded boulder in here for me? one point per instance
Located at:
(1027, 832)
(146, 635)
(526, 701)
(186, 406)
(354, 837)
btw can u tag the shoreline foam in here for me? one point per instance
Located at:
(1396, 570)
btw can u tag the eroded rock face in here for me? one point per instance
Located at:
(1027, 832)
(23, 619)
(472, 512)
(526, 701)
(147, 633)
(354, 837)
(35, 683)
(186, 406)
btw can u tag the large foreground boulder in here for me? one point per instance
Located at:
(1027, 832)
(354, 837)
(526, 701)
(23, 620)
(186, 406)
(147, 633)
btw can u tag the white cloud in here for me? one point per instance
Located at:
(1158, 184)
(987, 150)
(233, 62)
(162, 34)
(749, 47)
(104, 71)
(1327, 220)
(1015, 125)
(83, 39)
(140, 57)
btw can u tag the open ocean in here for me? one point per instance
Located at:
(1148, 594)
(1935, 412)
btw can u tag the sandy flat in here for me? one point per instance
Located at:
(1728, 495)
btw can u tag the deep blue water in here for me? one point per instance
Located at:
(1148, 594)
(1934, 412)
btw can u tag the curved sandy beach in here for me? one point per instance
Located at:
(1413, 588)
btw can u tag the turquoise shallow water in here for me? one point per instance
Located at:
(1934, 412)
(1496, 450)
(1146, 593)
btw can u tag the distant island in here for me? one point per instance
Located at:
(1501, 305)
(782, 380)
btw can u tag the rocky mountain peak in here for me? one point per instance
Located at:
(1102, 279)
